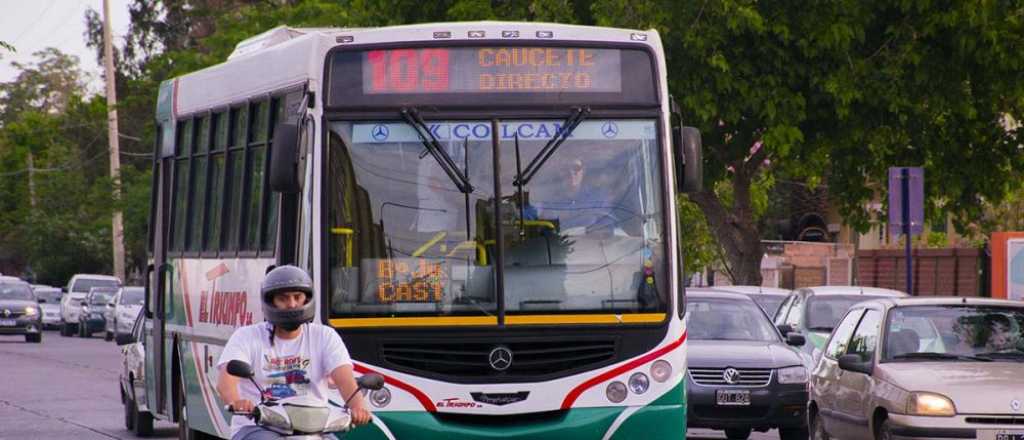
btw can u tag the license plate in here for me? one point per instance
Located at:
(1001, 434)
(8, 323)
(735, 398)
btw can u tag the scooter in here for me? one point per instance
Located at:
(301, 417)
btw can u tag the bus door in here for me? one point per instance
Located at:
(160, 282)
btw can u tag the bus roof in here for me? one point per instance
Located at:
(285, 57)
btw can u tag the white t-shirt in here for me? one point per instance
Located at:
(292, 367)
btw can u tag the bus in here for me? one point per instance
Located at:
(487, 210)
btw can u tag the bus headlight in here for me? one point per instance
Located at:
(616, 392)
(797, 374)
(930, 404)
(639, 383)
(661, 370)
(380, 398)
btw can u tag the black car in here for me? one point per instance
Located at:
(19, 311)
(742, 375)
(91, 320)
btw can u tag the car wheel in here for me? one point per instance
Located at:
(884, 431)
(793, 433)
(737, 434)
(65, 329)
(143, 420)
(817, 428)
(108, 337)
(129, 412)
(34, 338)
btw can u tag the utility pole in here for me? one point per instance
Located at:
(115, 158)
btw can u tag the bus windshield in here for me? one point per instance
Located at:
(583, 235)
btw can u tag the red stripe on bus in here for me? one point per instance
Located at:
(424, 400)
(184, 293)
(575, 393)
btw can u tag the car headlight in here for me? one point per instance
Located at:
(31, 311)
(797, 374)
(930, 404)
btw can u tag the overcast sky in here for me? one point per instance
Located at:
(32, 25)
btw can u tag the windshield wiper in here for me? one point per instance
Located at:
(1001, 355)
(570, 124)
(940, 356)
(412, 117)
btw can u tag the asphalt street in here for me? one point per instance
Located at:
(66, 388)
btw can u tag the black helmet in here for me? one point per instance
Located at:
(287, 279)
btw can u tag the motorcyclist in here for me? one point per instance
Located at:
(289, 354)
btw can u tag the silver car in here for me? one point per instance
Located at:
(122, 311)
(922, 368)
(49, 303)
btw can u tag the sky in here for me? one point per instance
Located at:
(33, 25)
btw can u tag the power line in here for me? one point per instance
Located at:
(31, 24)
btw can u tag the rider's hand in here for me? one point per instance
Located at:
(360, 414)
(242, 406)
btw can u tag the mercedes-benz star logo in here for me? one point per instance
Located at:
(731, 376)
(610, 129)
(500, 358)
(380, 132)
(1015, 405)
(7, 312)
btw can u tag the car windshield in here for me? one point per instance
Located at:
(51, 296)
(16, 291)
(728, 319)
(960, 332)
(768, 303)
(132, 296)
(85, 284)
(583, 234)
(100, 298)
(823, 312)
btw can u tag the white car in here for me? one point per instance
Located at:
(127, 305)
(78, 288)
(49, 301)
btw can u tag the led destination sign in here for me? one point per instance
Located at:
(491, 76)
(492, 69)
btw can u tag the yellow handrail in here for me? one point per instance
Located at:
(440, 236)
(347, 232)
(481, 251)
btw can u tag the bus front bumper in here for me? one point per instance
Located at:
(653, 421)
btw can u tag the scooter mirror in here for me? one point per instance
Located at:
(240, 369)
(370, 382)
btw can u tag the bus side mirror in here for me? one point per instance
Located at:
(284, 159)
(690, 162)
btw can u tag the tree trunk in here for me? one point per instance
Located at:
(735, 229)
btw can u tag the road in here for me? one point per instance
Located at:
(66, 388)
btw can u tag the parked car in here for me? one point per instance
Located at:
(19, 310)
(769, 298)
(71, 304)
(49, 302)
(91, 319)
(815, 311)
(124, 308)
(137, 416)
(922, 367)
(742, 374)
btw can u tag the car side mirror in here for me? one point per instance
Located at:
(785, 329)
(241, 369)
(795, 339)
(82, 302)
(852, 362)
(284, 169)
(124, 339)
(40, 300)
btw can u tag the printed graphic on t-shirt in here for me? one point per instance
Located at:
(287, 376)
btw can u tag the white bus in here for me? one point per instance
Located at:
(487, 210)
